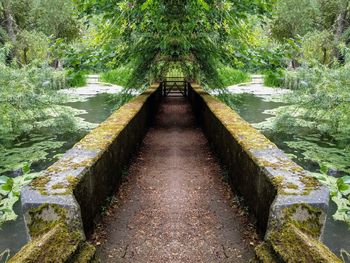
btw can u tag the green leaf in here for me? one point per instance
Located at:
(26, 168)
(323, 168)
(204, 4)
(341, 185)
(3, 179)
(8, 185)
(346, 179)
(146, 4)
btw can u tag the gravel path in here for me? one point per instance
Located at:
(174, 205)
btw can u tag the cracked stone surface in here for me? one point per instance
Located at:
(174, 204)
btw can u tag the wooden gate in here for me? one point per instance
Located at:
(175, 87)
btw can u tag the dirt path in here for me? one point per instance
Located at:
(174, 205)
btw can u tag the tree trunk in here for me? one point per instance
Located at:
(339, 30)
(10, 25)
(10, 28)
(324, 50)
(25, 55)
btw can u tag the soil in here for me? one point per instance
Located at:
(174, 205)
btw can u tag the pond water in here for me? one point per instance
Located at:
(94, 110)
(252, 108)
(257, 109)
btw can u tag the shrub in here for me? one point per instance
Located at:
(274, 78)
(119, 76)
(76, 78)
(230, 76)
(29, 99)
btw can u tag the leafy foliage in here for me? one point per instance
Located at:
(339, 191)
(321, 98)
(120, 76)
(294, 18)
(274, 78)
(10, 189)
(331, 154)
(315, 28)
(76, 78)
(153, 34)
(119, 99)
(31, 26)
(35, 150)
(229, 76)
(29, 100)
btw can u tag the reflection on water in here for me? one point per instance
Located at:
(96, 109)
(336, 234)
(12, 234)
(253, 110)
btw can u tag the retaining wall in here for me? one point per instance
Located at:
(60, 207)
(67, 198)
(290, 206)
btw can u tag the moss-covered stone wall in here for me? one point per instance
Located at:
(72, 191)
(290, 205)
(278, 191)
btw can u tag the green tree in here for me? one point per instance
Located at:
(319, 27)
(197, 35)
(295, 18)
(32, 25)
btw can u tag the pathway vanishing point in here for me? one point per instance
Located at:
(174, 205)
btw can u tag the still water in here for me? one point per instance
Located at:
(252, 108)
(256, 110)
(95, 109)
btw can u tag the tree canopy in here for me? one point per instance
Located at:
(193, 35)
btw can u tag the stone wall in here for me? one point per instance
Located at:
(60, 207)
(72, 191)
(290, 206)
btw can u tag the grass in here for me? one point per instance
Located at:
(274, 78)
(76, 78)
(119, 76)
(230, 76)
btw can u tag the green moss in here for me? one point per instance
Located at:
(277, 181)
(86, 254)
(293, 245)
(56, 245)
(310, 224)
(39, 184)
(264, 253)
(68, 164)
(251, 141)
(98, 139)
(38, 225)
(72, 180)
(292, 186)
(101, 137)
(310, 182)
(58, 186)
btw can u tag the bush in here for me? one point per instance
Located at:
(76, 78)
(29, 99)
(274, 78)
(119, 76)
(230, 76)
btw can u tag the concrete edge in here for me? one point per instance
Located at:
(72, 190)
(279, 192)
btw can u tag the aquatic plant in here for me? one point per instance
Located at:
(5, 255)
(302, 141)
(339, 192)
(10, 190)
